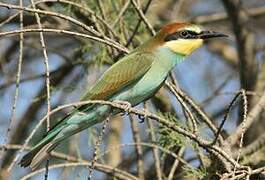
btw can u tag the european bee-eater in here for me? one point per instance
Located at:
(134, 78)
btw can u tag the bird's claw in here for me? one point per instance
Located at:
(141, 118)
(126, 104)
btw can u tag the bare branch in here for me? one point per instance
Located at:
(107, 42)
(253, 114)
(155, 150)
(19, 66)
(142, 16)
(97, 147)
(138, 149)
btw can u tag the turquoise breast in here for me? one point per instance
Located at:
(151, 82)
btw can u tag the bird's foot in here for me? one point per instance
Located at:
(142, 117)
(126, 105)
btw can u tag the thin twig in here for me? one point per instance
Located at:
(107, 169)
(97, 147)
(185, 107)
(122, 11)
(46, 62)
(87, 9)
(198, 110)
(59, 15)
(225, 117)
(175, 164)
(142, 16)
(164, 150)
(245, 107)
(253, 147)
(73, 159)
(101, 155)
(30, 78)
(83, 7)
(138, 149)
(100, 167)
(19, 66)
(252, 115)
(47, 70)
(155, 150)
(138, 24)
(61, 31)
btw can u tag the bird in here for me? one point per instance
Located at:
(135, 78)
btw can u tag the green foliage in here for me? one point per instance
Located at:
(102, 57)
(68, 9)
(168, 138)
(200, 173)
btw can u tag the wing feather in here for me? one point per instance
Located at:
(123, 73)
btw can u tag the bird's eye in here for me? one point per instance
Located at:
(184, 34)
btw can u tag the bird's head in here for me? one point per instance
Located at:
(184, 38)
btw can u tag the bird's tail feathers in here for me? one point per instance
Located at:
(37, 155)
(41, 150)
(41, 155)
(71, 124)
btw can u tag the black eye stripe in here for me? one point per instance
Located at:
(184, 34)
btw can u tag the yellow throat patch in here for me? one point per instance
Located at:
(184, 46)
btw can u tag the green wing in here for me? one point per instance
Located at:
(123, 73)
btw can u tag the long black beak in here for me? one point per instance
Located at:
(211, 34)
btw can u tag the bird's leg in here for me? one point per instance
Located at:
(126, 105)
